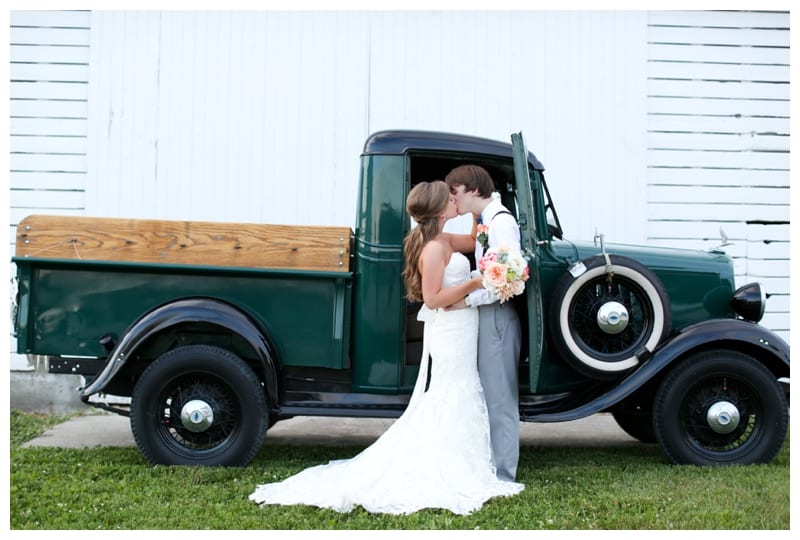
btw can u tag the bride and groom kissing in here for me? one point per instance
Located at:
(457, 443)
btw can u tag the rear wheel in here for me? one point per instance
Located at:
(199, 405)
(720, 407)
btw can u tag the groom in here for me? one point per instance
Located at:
(499, 328)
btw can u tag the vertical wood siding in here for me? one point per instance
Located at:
(718, 142)
(261, 116)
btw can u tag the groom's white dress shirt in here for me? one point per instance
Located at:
(503, 231)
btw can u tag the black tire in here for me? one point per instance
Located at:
(690, 432)
(637, 424)
(575, 327)
(184, 379)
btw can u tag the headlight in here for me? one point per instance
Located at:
(749, 302)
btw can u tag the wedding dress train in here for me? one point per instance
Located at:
(436, 455)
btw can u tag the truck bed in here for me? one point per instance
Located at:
(82, 278)
(241, 245)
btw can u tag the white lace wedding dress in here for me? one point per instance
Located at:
(436, 455)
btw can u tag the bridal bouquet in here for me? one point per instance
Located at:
(505, 272)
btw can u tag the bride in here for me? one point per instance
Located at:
(438, 453)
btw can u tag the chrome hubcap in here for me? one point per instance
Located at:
(723, 417)
(612, 318)
(197, 415)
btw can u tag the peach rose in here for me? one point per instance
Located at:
(494, 276)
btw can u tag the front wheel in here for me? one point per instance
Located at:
(720, 407)
(199, 405)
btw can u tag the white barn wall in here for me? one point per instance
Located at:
(718, 142)
(255, 117)
(261, 116)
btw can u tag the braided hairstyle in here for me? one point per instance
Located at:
(426, 202)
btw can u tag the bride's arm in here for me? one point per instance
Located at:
(432, 263)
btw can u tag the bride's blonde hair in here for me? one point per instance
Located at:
(426, 202)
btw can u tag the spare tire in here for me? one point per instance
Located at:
(602, 320)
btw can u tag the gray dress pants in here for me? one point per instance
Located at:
(498, 362)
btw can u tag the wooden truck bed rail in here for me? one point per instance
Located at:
(185, 242)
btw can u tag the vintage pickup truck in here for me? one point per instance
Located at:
(215, 331)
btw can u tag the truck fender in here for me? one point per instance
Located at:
(183, 311)
(702, 335)
(730, 332)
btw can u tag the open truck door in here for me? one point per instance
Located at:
(525, 189)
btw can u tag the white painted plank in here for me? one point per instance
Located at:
(717, 124)
(49, 72)
(755, 141)
(719, 36)
(775, 321)
(705, 231)
(718, 107)
(48, 162)
(47, 144)
(49, 36)
(48, 126)
(719, 159)
(62, 19)
(717, 177)
(680, 52)
(716, 194)
(770, 268)
(57, 200)
(51, 54)
(48, 90)
(768, 232)
(716, 212)
(45, 180)
(756, 241)
(720, 19)
(709, 89)
(700, 71)
(740, 271)
(46, 108)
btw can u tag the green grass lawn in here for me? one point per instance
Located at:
(566, 488)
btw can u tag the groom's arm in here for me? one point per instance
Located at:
(463, 243)
(504, 231)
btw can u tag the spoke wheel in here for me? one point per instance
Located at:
(603, 319)
(199, 405)
(720, 407)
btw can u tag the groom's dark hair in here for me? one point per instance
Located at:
(472, 177)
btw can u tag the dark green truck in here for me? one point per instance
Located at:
(213, 348)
